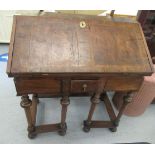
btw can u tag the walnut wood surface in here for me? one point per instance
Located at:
(101, 124)
(57, 44)
(123, 83)
(54, 55)
(47, 128)
(48, 85)
(37, 86)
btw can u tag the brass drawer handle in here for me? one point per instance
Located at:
(84, 87)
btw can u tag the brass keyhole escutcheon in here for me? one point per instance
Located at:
(82, 24)
(84, 87)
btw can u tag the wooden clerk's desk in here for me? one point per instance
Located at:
(68, 55)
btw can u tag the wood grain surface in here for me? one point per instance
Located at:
(59, 56)
(57, 44)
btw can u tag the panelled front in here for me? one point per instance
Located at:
(37, 86)
(123, 83)
(40, 85)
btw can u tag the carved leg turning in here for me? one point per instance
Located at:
(94, 100)
(126, 100)
(114, 129)
(63, 125)
(33, 107)
(26, 104)
(64, 103)
(35, 96)
(104, 97)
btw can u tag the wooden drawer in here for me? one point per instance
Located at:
(83, 86)
(38, 86)
(123, 83)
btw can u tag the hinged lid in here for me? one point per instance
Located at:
(77, 44)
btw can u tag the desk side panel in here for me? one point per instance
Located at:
(10, 54)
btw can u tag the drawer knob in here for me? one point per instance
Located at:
(84, 87)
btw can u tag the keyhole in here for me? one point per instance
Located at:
(84, 87)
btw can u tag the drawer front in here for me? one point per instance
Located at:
(123, 84)
(38, 86)
(53, 87)
(83, 86)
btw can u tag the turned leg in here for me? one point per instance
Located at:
(104, 97)
(126, 100)
(35, 97)
(64, 103)
(35, 101)
(26, 104)
(63, 126)
(94, 101)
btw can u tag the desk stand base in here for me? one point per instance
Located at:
(30, 108)
(114, 120)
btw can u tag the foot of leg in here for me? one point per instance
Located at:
(32, 135)
(31, 132)
(86, 126)
(114, 129)
(63, 129)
